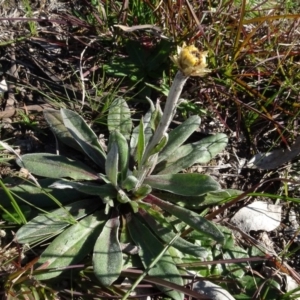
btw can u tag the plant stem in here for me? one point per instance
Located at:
(170, 107)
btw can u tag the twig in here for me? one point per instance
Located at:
(81, 72)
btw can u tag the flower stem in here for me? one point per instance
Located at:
(170, 107)
(149, 159)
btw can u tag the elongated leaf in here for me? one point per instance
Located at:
(136, 133)
(107, 256)
(187, 184)
(103, 191)
(160, 145)
(84, 136)
(148, 132)
(190, 218)
(123, 151)
(37, 196)
(140, 144)
(71, 246)
(165, 232)
(185, 156)
(134, 140)
(156, 116)
(148, 120)
(54, 119)
(56, 166)
(150, 248)
(111, 164)
(49, 225)
(179, 135)
(194, 202)
(119, 117)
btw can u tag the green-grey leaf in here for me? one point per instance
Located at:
(162, 143)
(190, 218)
(134, 140)
(150, 248)
(71, 246)
(165, 232)
(103, 191)
(148, 133)
(130, 183)
(179, 135)
(156, 116)
(112, 163)
(140, 144)
(236, 252)
(84, 136)
(134, 205)
(119, 117)
(123, 151)
(147, 123)
(142, 191)
(187, 184)
(56, 166)
(107, 256)
(185, 156)
(47, 226)
(54, 119)
(122, 197)
(195, 202)
(37, 196)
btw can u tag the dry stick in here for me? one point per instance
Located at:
(81, 72)
(7, 113)
(13, 72)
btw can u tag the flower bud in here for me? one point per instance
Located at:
(191, 61)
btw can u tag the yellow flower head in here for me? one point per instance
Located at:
(191, 61)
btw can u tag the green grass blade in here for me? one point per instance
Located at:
(14, 204)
